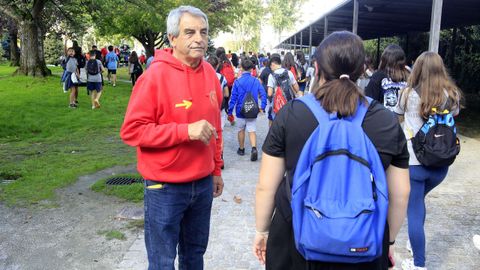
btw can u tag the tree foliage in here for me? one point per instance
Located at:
(283, 13)
(146, 19)
(247, 27)
(34, 18)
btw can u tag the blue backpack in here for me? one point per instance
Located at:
(339, 196)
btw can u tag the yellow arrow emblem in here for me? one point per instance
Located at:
(187, 104)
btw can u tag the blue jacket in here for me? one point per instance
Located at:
(243, 84)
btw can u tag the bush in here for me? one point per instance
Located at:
(53, 49)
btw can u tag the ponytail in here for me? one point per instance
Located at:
(340, 60)
(339, 95)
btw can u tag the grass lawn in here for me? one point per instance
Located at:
(44, 145)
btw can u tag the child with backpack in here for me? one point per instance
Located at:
(134, 67)
(391, 77)
(335, 169)
(430, 98)
(70, 77)
(94, 79)
(301, 67)
(282, 86)
(245, 93)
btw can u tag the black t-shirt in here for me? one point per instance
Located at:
(294, 124)
(384, 90)
(264, 77)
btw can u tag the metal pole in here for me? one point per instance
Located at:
(301, 40)
(295, 41)
(355, 16)
(325, 28)
(310, 47)
(435, 25)
(378, 52)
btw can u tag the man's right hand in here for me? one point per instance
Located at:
(201, 130)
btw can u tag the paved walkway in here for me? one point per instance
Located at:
(452, 220)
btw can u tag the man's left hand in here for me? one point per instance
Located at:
(217, 186)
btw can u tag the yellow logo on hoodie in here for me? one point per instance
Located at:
(187, 104)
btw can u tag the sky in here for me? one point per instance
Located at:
(310, 11)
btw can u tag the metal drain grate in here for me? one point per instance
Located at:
(123, 180)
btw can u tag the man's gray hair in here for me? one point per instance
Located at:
(173, 19)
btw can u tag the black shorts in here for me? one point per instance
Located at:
(112, 71)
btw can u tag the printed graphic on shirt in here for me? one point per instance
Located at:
(185, 103)
(390, 92)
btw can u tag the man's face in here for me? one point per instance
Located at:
(191, 44)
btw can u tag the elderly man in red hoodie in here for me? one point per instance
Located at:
(173, 119)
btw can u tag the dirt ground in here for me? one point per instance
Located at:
(66, 237)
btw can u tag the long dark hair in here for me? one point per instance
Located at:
(340, 54)
(393, 63)
(289, 61)
(133, 57)
(301, 57)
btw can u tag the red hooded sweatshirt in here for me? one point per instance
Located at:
(165, 99)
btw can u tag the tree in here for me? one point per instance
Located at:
(145, 20)
(28, 17)
(33, 18)
(247, 27)
(283, 13)
(53, 48)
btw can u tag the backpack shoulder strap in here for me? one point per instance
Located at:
(361, 112)
(314, 106)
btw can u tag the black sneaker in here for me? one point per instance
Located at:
(254, 155)
(73, 106)
(241, 152)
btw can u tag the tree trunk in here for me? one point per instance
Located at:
(14, 53)
(32, 61)
(148, 44)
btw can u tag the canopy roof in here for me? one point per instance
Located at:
(385, 18)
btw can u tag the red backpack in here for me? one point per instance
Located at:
(228, 73)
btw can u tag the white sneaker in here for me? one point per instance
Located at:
(408, 265)
(409, 247)
(476, 241)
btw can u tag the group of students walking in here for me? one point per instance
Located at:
(402, 100)
(340, 169)
(394, 94)
(87, 70)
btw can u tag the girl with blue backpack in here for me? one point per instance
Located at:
(429, 87)
(363, 193)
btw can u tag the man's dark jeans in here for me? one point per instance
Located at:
(177, 214)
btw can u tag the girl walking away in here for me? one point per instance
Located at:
(94, 79)
(134, 67)
(429, 87)
(71, 77)
(390, 78)
(302, 67)
(289, 64)
(337, 101)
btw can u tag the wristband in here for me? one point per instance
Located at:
(391, 243)
(265, 233)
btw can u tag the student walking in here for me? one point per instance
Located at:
(111, 60)
(390, 78)
(134, 67)
(70, 77)
(429, 87)
(247, 88)
(94, 79)
(339, 63)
